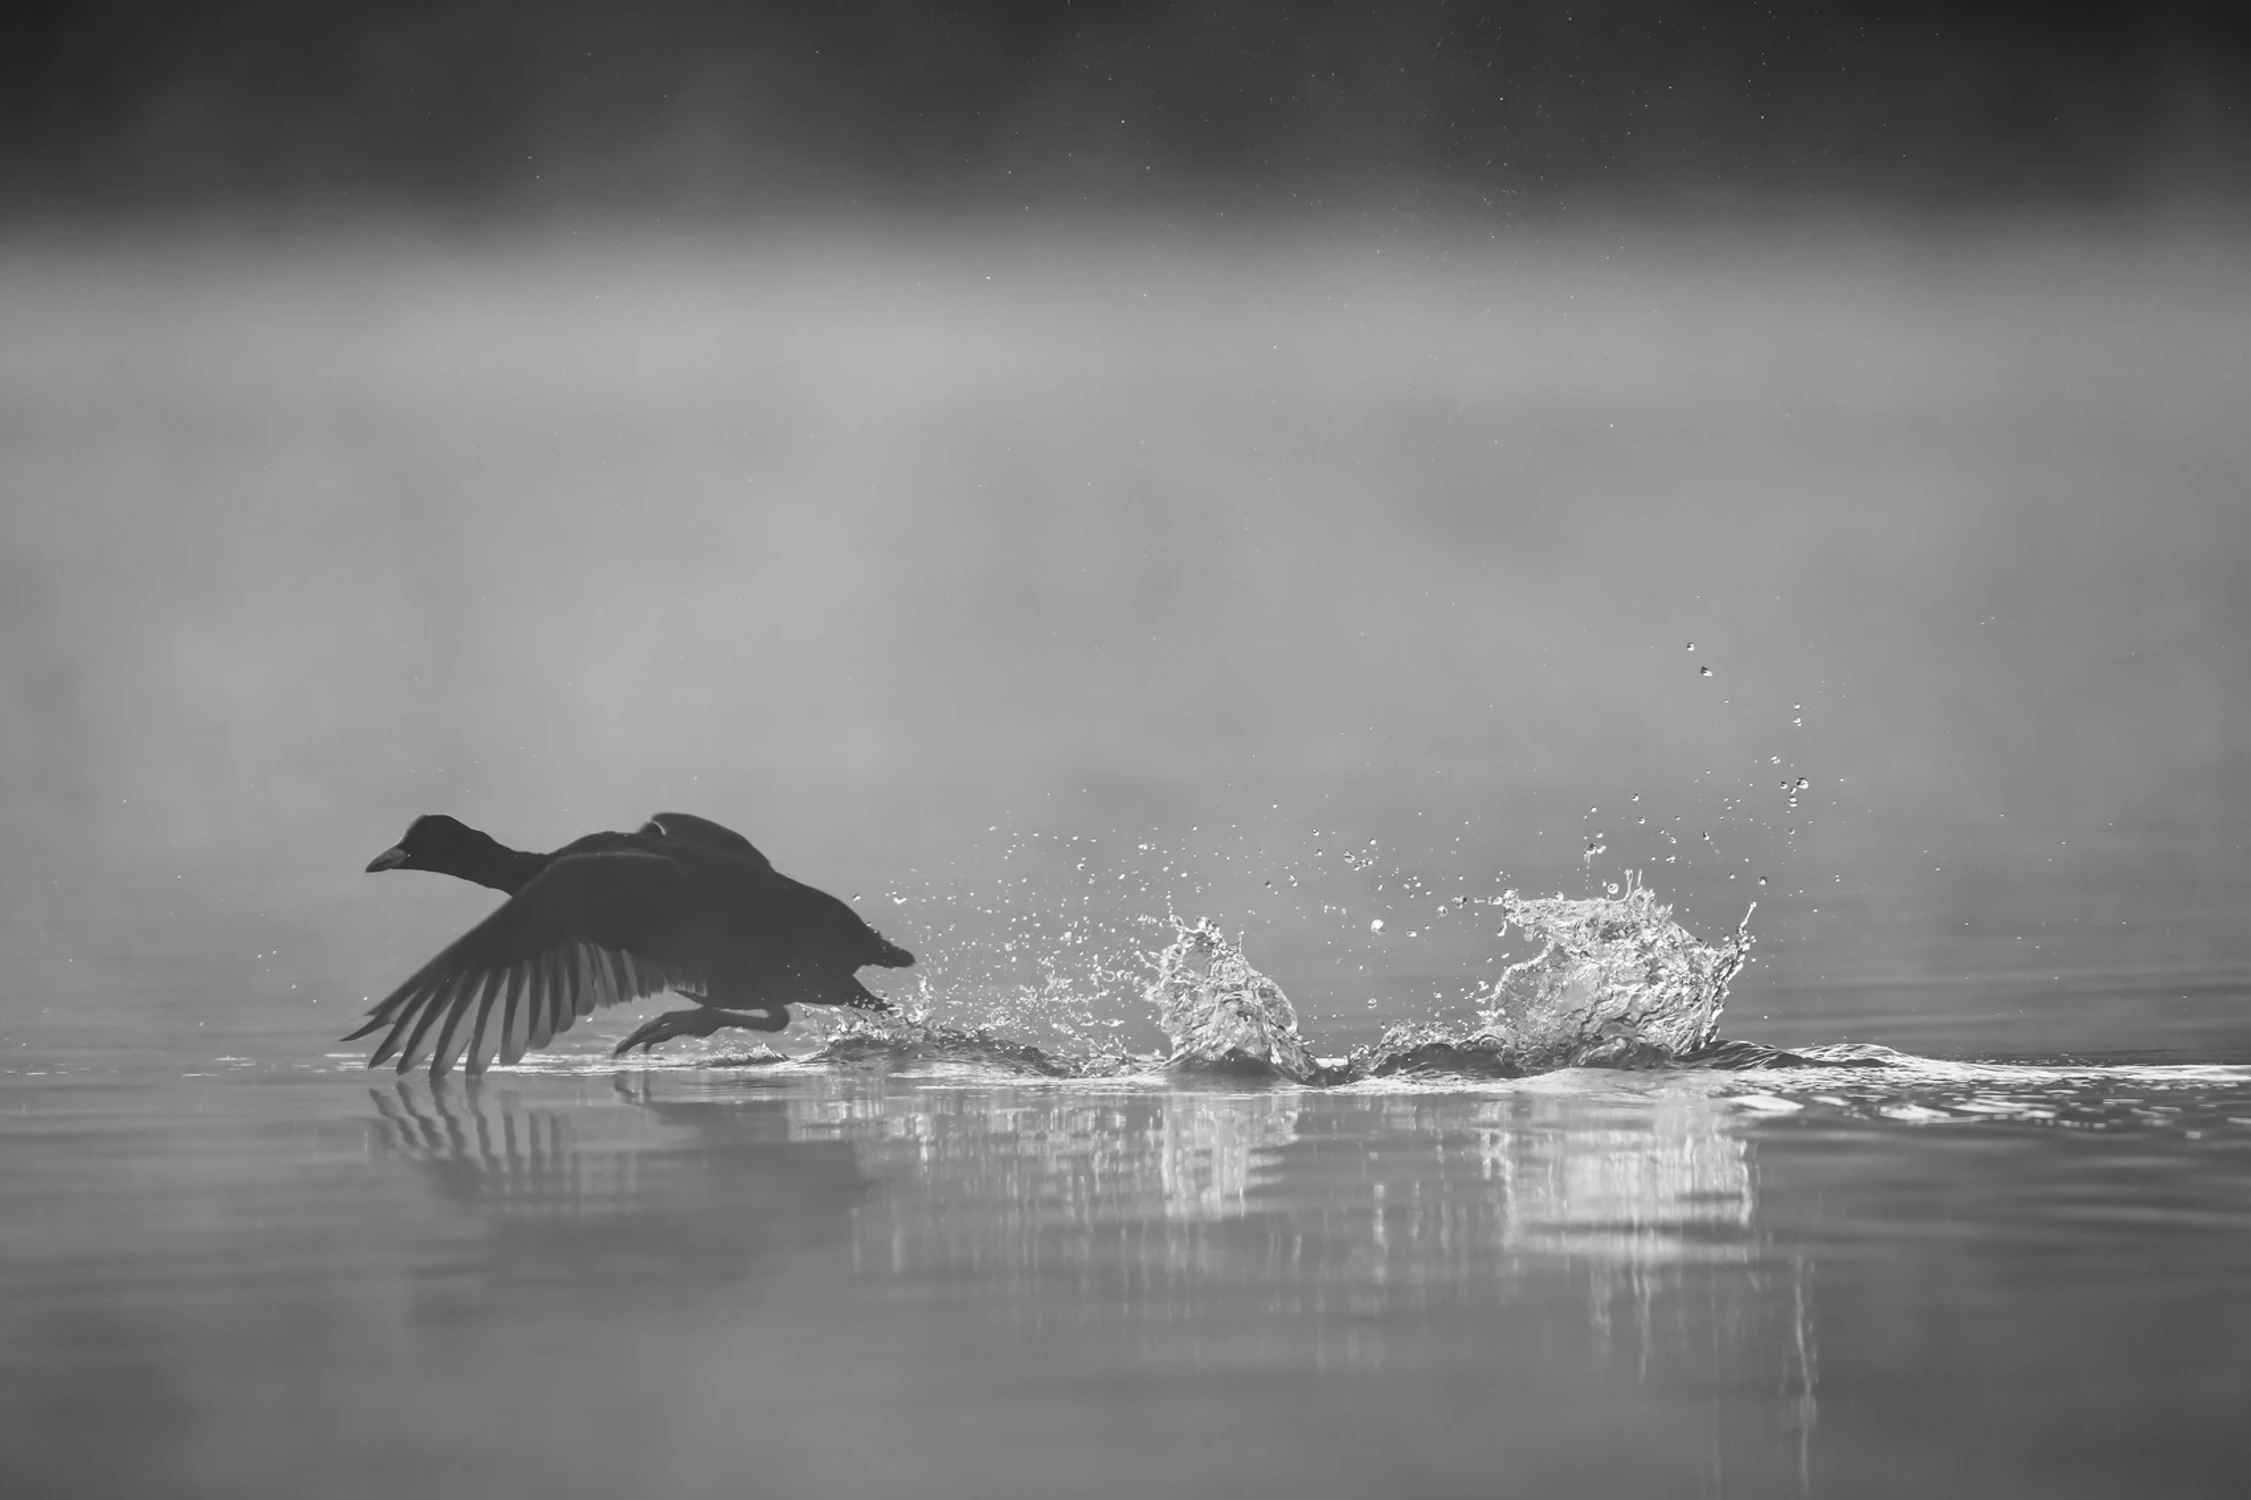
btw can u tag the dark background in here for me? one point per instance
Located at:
(718, 111)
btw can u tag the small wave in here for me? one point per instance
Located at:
(885, 1040)
(1861, 1081)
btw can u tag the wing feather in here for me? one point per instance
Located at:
(473, 1057)
(511, 1006)
(440, 1003)
(550, 993)
(441, 1037)
(583, 934)
(454, 1035)
(522, 1000)
(593, 983)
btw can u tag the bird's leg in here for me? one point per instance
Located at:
(699, 1021)
(703, 1020)
(757, 1018)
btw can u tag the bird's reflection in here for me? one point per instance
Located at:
(667, 1201)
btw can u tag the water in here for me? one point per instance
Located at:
(931, 1280)
(927, 1259)
(1251, 677)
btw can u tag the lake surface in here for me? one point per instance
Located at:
(1030, 594)
(929, 1277)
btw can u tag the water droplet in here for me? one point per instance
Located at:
(1801, 783)
(1762, 880)
(1692, 645)
(1774, 760)
(1703, 671)
(1376, 925)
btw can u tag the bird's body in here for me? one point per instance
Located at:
(682, 904)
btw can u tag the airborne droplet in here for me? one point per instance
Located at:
(1703, 671)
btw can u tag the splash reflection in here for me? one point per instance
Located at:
(1291, 1226)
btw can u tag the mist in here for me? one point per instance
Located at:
(922, 556)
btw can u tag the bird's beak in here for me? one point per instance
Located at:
(389, 859)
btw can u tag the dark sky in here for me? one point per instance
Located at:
(700, 107)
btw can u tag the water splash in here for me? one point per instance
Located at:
(1616, 980)
(1220, 1013)
(1616, 983)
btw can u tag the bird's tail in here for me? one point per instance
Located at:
(858, 996)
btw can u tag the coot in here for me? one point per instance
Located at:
(681, 904)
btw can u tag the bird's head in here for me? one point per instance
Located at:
(432, 842)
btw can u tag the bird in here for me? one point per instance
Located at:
(680, 904)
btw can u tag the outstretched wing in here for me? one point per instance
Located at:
(580, 935)
(687, 828)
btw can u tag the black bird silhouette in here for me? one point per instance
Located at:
(681, 904)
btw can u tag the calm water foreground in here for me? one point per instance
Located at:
(925, 1277)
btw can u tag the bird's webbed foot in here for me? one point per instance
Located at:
(703, 1020)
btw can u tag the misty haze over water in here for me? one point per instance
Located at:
(903, 552)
